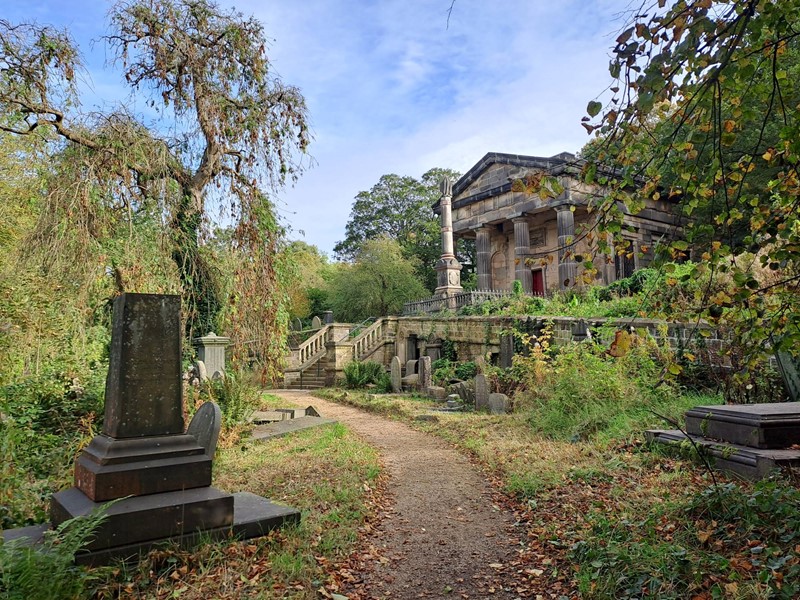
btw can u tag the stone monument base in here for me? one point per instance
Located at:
(253, 516)
(750, 463)
(111, 468)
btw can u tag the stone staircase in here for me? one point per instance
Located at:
(309, 361)
(310, 378)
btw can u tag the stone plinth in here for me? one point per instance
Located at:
(751, 463)
(211, 350)
(771, 425)
(144, 518)
(109, 468)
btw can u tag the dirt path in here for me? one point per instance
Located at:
(443, 537)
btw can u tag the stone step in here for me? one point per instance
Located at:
(752, 463)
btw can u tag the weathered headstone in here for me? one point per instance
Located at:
(506, 350)
(205, 426)
(498, 404)
(396, 368)
(481, 392)
(425, 374)
(211, 350)
(159, 475)
(316, 323)
(411, 367)
(202, 372)
(297, 325)
(789, 368)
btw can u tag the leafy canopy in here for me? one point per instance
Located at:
(400, 208)
(377, 284)
(724, 146)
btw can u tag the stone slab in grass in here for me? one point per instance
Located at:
(280, 428)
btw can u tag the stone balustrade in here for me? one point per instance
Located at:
(311, 348)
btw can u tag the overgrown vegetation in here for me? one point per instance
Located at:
(358, 374)
(47, 571)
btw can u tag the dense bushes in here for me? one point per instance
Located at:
(43, 421)
(579, 391)
(236, 395)
(445, 370)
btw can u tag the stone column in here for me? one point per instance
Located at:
(567, 267)
(522, 248)
(483, 246)
(446, 205)
(448, 269)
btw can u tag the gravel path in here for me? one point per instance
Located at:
(443, 537)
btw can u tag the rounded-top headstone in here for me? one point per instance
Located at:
(205, 427)
(396, 374)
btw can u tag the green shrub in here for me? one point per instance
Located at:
(235, 393)
(55, 402)
(466, 370)
(43, 421)
(443, 371)
(579, 392)
(359, 374)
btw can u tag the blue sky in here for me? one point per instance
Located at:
(392, 89)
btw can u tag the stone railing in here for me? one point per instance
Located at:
(369, 338)
(455, 302)
(311, 349)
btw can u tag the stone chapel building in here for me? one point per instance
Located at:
(521, 237)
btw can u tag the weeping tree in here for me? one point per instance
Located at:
(228, 134)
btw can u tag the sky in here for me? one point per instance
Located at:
(392, 86)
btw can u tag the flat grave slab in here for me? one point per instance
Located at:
(751, 463)
(281, 428)
(253, 516)
(771, 425)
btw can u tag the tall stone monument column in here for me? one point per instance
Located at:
(448, 269)
(483, 247)
(522, 248)
(567, 267)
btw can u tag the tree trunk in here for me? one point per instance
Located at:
(201, 294)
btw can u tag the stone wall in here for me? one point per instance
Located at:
(479, 336)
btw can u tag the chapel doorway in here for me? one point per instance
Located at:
(538, 282)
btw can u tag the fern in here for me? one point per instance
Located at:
(47, 571)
